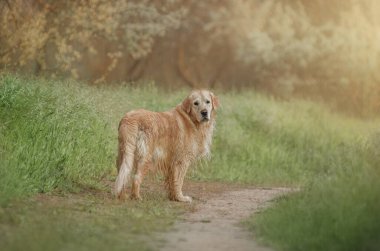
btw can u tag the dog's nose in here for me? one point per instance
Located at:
(204, 113)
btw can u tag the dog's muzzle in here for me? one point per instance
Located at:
(204, 114)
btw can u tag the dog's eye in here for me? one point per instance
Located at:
(196, 103)
(207, 101)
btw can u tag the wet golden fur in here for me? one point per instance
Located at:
(168, 141)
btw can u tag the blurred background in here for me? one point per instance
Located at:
(322, 50)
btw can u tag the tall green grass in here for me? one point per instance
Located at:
(50, 138)
(266, 142)
(336, 213)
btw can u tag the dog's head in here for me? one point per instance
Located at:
(201, 105)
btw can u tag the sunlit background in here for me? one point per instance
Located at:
(315, 49)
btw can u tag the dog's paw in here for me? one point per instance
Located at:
(187, 199)
(121, 196)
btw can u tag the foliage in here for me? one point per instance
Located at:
(57, 37)
(288, 52)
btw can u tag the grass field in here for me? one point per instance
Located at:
(59, 137)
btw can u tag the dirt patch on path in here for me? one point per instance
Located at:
(214, 224)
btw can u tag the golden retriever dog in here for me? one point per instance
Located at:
(165, 141)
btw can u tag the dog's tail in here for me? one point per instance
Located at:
(126, 153)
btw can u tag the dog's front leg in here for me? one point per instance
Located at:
(175, 182)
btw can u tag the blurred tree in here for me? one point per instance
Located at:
(55, 36)
(291, 52)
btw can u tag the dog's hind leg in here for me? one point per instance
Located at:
(141, 170)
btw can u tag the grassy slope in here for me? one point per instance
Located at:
(258, 141)
(55, 138)
(266, 142)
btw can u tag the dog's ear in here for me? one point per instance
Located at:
(186, 105)
(215, 101)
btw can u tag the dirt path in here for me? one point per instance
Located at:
(214, 223)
